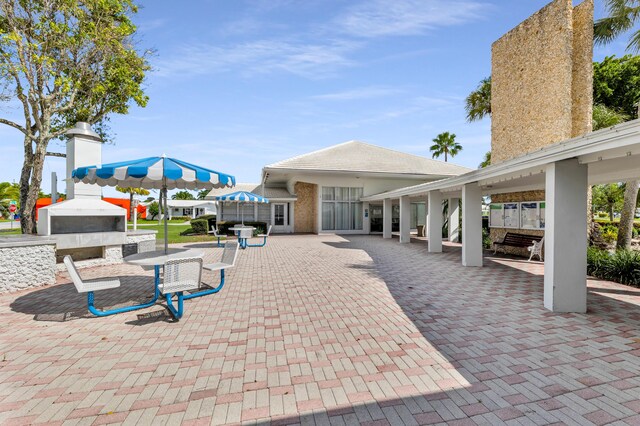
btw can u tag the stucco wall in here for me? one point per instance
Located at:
(541, 80)
(305, 212)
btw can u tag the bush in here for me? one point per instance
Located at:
(486, 239)
(622, 266)
(609, 233)
(180, 218)
(210, 218)
(188, 231)
(200, 226)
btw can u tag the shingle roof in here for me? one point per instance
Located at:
(256, 188)
(356, 156)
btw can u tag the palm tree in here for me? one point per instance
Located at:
(183, 195)
(445, 143)
(486, 161)
(202, 194)
(131, 192)
(623, 15)
(478, 103)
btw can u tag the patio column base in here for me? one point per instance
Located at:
(565, 260)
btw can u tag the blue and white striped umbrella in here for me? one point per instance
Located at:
(162, 173)
(153, 173)
(242, 196)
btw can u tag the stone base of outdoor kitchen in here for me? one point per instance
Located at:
(135, 241)
(30, 261)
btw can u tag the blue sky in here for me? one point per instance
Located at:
(240, 84)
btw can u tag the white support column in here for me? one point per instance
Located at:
(471, 225)
(405, 219)
(565, 260)
(454, 219)
(434, 222)
(387, 213)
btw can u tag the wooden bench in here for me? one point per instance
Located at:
(513, 239)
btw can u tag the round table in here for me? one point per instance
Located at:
(243, 233)
(159, 257)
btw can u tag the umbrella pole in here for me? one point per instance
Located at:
(166, 230)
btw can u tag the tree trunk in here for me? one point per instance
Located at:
(34, 189)
(625, 228)
(610, 212)
(25, 177)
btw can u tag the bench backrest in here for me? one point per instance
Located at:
(73, 273)
(181, 274)
(230, 253)
(520, 238)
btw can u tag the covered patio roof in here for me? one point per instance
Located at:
(613, 154)
(564, 170)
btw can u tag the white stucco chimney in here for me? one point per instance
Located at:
(84, 148)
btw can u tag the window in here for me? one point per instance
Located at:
(187, 212)
(341, 209)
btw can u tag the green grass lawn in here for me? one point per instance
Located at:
(174, 234)
(14, 231)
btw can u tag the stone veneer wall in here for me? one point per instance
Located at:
(306, 215)
(541, 94)
(541, 80)
(497, 234)
(27, 265)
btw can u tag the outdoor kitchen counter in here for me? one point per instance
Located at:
(26, 261)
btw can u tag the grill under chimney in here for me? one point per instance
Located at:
(84, 221)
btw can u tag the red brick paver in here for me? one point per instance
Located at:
(326, 330)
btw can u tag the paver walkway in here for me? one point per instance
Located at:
(327, 330)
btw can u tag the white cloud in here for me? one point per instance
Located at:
(361, 93)
(406, 17)
(263, 56)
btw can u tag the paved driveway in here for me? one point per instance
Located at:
(326, 330)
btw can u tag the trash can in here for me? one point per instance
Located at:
(420, 230)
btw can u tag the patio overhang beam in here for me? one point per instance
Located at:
(615, 143)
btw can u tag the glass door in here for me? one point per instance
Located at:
(279, 216)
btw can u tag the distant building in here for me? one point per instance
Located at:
(320, 191)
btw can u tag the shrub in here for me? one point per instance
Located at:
(210, 218)
(609, 233)
(200, 226)
(622, 266)
(180, 218)
(188, 231)
(486, 239)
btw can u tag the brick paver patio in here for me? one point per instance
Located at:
(326, 330)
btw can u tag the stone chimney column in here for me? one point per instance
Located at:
(84, 148)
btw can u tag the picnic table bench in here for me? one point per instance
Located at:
(513, 239)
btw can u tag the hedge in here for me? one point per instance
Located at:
(200, 226)
(621, 266)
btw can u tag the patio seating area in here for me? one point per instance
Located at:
(325, 329)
